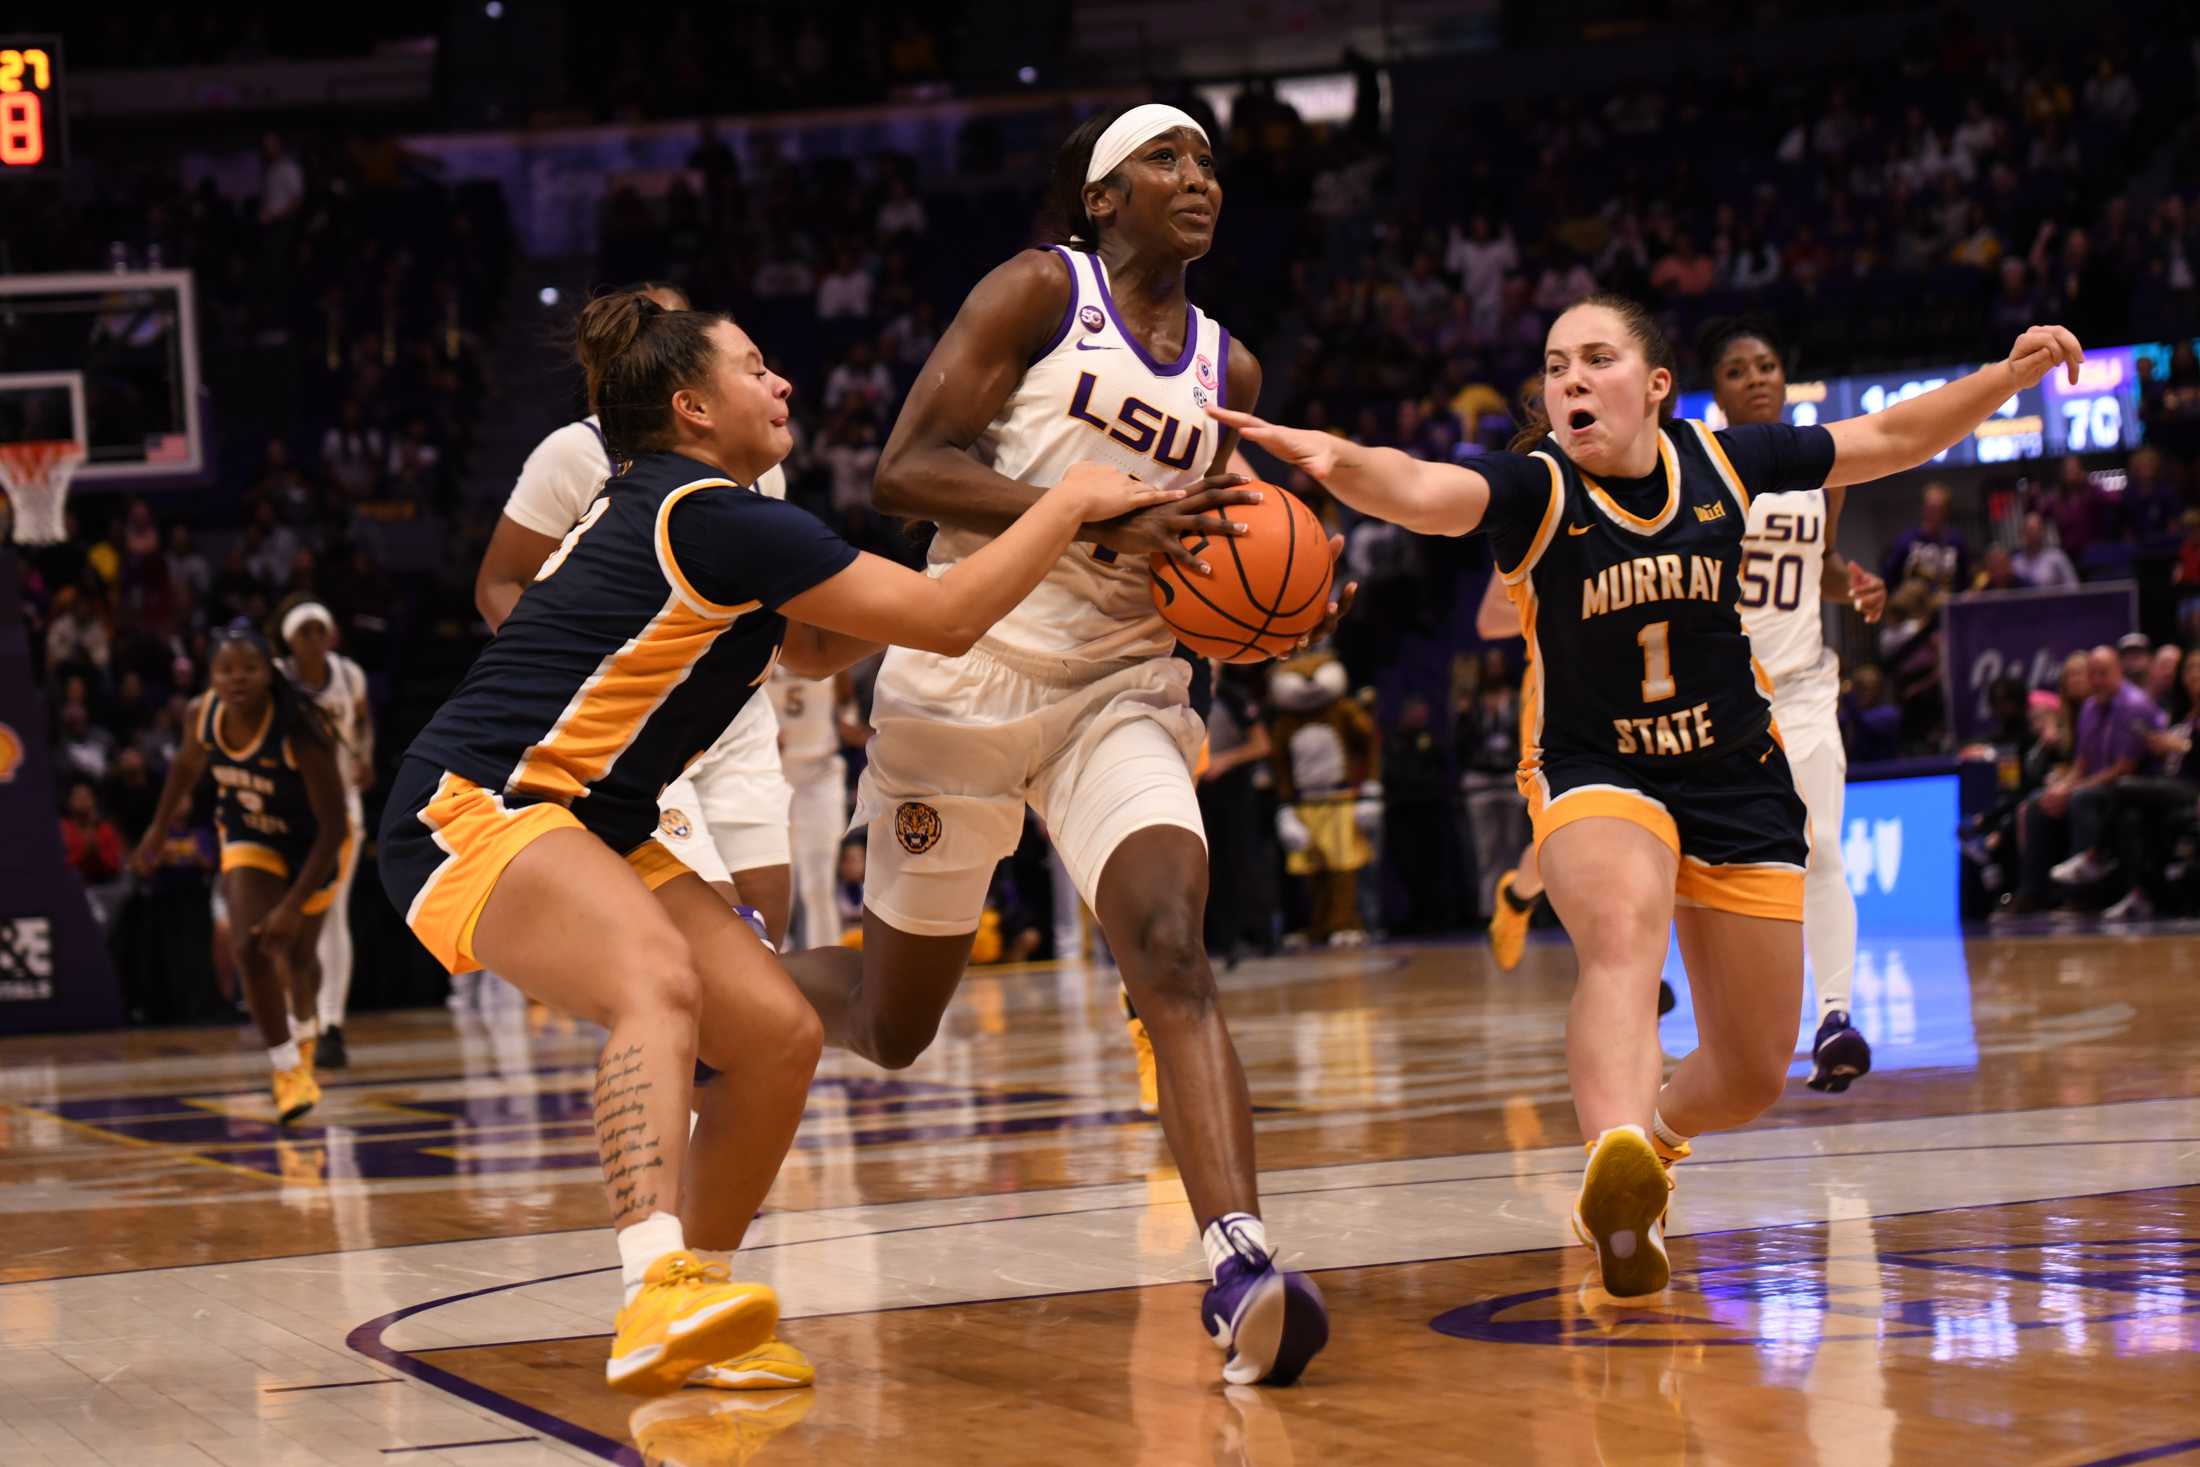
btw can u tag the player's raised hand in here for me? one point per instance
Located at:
(1304, 449)
(2040, 350)
(1102, 493)
(1867, 593)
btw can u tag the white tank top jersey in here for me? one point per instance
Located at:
(808, 734)
(341, 699)
(1783, 554)
(1093, 393)
(560, 479)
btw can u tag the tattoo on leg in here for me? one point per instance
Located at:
(633, 1161)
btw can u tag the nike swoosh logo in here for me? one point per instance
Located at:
(1577, 529)
(1088, 346)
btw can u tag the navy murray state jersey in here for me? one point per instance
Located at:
(1627, 591)
(641, 638)
(259, 795)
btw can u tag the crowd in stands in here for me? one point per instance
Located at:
(343, 312)
(1922, 214)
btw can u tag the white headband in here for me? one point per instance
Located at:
(304, 612)
(1128, 133)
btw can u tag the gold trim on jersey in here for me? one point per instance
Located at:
(212, 737)
(1716, 452)
(698, 603)
(1547, 816)
(1553, 512)
(1771, 889)
(479, 835)
(1626, 521)
(1530, 775)
(608, 711)
(245, 855)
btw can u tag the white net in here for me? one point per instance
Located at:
(36, 474)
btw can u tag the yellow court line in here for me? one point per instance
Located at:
(162, 1147)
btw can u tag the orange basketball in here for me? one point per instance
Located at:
(1270, 586)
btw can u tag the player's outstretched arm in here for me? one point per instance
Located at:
(184, 772)
(875, 600)
(1427, 498)
(1910, 433)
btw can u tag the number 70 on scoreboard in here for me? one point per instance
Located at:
(33, 117)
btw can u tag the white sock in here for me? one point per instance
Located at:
(305, 1028)
(1230, 1235)
(643, 1243)
(1666, 1133)
(714, 1255)
(285, 1056)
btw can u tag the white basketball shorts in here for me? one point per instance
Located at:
(963, 744)
(728, 812)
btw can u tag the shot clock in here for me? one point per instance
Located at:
(34, 130)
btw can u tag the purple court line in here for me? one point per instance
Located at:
(487, 1441)
(2147, 1454)
(336, 1385)
(367, 1338)
(1694, 1163)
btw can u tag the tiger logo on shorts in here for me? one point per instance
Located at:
(917, 827)
(674, 823)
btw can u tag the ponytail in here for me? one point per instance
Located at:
(637, 355)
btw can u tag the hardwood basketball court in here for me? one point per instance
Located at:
(1989, 1250)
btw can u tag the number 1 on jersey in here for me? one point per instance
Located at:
(1657, 662)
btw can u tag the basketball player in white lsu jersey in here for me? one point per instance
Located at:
(1073, 703)
(809, 755)
(1789, 566)
(726, 818)
(339, 686)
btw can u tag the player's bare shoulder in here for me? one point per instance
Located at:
(1021, 299)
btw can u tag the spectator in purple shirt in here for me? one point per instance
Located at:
(2072, 811)
(1932, 552)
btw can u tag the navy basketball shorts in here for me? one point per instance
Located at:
(1733, 820)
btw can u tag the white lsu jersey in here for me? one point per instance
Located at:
(1783, 556)
(1094, 393)
(809, 734)
(341, 698)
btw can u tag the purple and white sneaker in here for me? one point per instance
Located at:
(1269, 1323)
(1838, 1055)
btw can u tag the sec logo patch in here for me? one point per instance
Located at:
(11, 753)
(674, 822)
(1090, 318)
(917, 827)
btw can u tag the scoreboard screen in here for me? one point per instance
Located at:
(34, 131)
(2098, 415)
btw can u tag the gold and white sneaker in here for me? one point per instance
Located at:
(774, 1365)
(1620, 1212)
